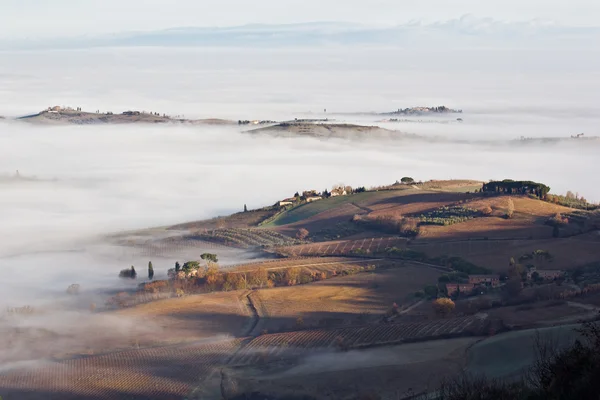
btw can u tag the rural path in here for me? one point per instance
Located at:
(417, 304)
(254, 316)
(432, 266)
(365, 209)
(588, 307)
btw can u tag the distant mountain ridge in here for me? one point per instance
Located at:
(464, 31)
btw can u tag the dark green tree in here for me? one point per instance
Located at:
(133, 273)
(177, 266)
(209, 258)
(150, 270)
(245, 208)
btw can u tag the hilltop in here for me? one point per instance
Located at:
(67, 115)
(330, 130)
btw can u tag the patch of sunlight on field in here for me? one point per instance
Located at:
(309, 210)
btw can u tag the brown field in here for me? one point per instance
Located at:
(490, 227)
(154, 373)
(416, 202)
(451, 185)
(523, 205)
(192, 317)
(568, 253)
(342, 300)
(309, 264)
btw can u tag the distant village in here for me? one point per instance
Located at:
(479, 283)
(308, 196)
(424, 110)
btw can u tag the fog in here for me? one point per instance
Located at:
(94, 180)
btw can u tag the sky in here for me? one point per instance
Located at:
(43, 18)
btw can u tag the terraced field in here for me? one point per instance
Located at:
(274, 346)
(316, 264)
(345, 247)
(245, 238)
(157, 373)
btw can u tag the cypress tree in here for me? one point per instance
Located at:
(177, 266)
(150, 271)
(133, 273)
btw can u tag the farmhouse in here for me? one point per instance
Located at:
(338, 192)
(487, 280)
(313, 198)
(287, 202)
(452, 288)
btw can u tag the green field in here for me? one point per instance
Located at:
(508, 354)
(309, 210)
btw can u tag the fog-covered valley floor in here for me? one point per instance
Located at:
(94, 180)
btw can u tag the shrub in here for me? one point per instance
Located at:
(557, 220)
(510, 208)
(210, 258)
(258, 277)
(128, 273)
(302, 234)
(448, 215)
(443, 306)
(291, 276)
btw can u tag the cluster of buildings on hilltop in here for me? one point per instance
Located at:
(492, 281)
(312, 195)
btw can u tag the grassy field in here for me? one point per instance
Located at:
(307, 211)
(531, 314)
(510, 353)
(387, 373)
(239, 220)
(344, 300)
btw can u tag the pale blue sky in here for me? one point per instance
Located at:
(50, 18)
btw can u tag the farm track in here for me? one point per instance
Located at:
(363, 208)
(255, 317)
